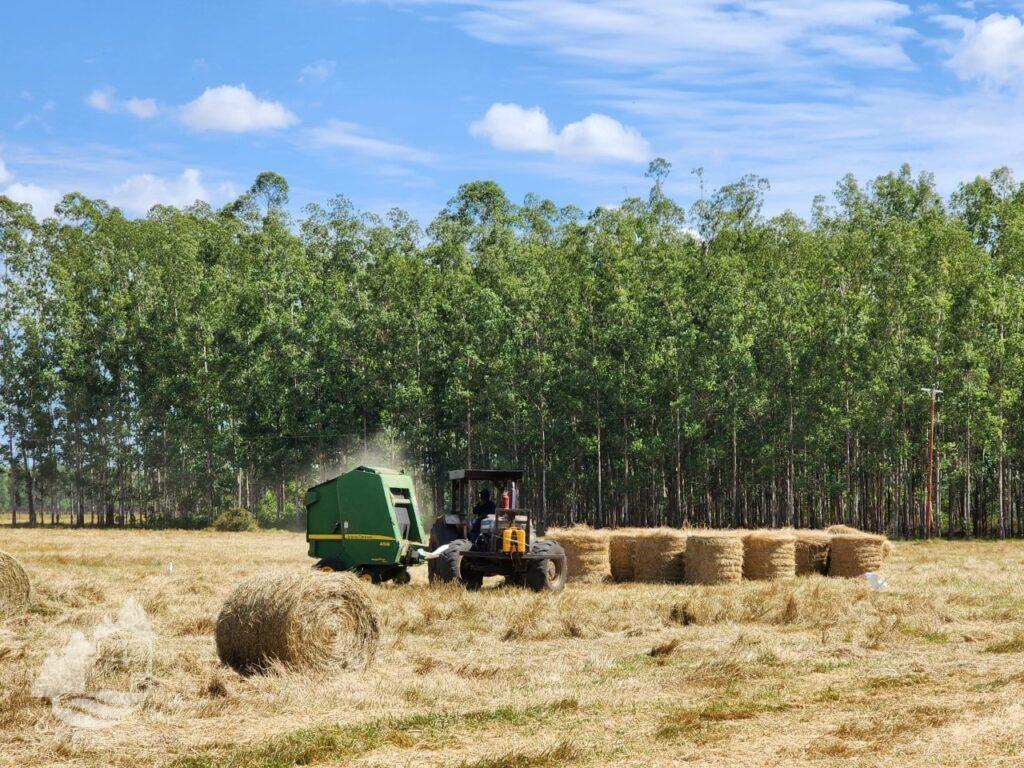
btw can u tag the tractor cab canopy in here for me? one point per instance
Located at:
(467, 483)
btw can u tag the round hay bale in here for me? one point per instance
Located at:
(15, 589)
(659, 555)
(586, 552)
(305, 620)
(854, 554)
(812, 550)
(769, 554)
(621, 544)
(714, 557)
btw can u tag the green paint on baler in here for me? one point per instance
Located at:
(355, 518)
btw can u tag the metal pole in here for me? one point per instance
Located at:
(931, 468)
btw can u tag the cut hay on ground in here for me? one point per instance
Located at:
(659, 555)
(769, 555)
(305, 620)
(854, 554)
(714, 557)
(15, 589)
(586, 552)
(621, 544)
(811, 550)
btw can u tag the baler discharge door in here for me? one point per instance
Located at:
(403, 509)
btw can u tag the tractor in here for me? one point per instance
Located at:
(467, 547)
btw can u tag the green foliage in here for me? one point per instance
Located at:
(235, 519)
(643, 364)
(266, 511)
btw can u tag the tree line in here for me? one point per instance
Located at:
(644, 364)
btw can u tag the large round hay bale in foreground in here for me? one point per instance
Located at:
(586, 552)
(659, 555)
(854, 554)
(15, 589)
(305, 620)
(621, 543)
(769, 555)
(714, 557)
(812, 550)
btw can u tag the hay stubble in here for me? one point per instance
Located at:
(794, 672)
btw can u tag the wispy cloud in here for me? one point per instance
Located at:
(318, 70)
(105, 100)
(650, 33)
(337, 134)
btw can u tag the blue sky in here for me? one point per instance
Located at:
(397, 103)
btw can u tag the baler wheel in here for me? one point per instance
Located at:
(402, 577)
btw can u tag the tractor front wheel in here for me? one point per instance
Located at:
(547, 574)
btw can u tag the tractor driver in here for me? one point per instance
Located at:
(480, 511)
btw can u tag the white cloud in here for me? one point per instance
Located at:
(105, 100)
(595, 137)
(318, 70)
(991, 49)
(137, 194)
(234, 109)
(5, 175)
(42, 199)
(141, 108)
(342, 135)
(101, 99)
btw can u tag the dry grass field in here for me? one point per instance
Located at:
(807, 672)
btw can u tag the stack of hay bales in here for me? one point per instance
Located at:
(15, 589)
(621, 545)
(769, 554)
(812, 551)
(586, 552)
(659, 555)
(305, 620)
(714, 557)
(854, 554)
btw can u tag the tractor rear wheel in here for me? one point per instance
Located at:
(546, 574)
(447, 567)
